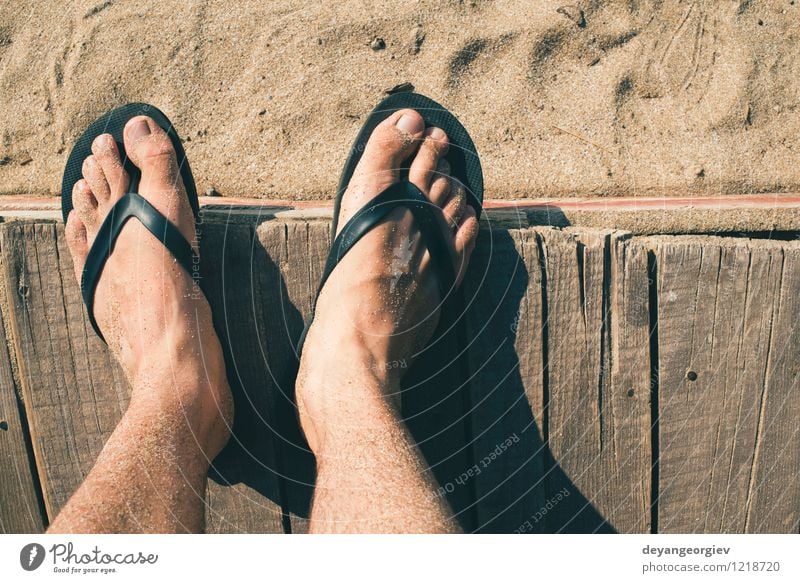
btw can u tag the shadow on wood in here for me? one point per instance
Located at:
(519, 486)
(267, 452)
(476, 427)
(552, 432)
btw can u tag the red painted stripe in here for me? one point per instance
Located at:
(765, 200)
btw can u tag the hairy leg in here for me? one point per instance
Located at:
(380, 306)
(150, 476)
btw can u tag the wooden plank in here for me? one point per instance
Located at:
(504, 299)
(243, 493)
(629, 396)
(22, 510)
(773, 491)
(70, 385)
(560, 324)
(77, 393)
(716, 304)
(296, 253)
(598, 409)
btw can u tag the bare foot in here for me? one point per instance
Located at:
(381, 303)
(156, 321)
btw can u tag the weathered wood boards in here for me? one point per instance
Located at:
(20, 510)
(773, 490)
(295, 254)
(504, 296)
(558, 414)
(75, 393)
(244, 490)
(728, 397)
(598, 411)
(561, 402)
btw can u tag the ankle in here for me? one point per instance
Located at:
(342, 414)
(344, 384)
(188, 384)
(376, 358)
(202, 420)
(187, 355)
(193, 431)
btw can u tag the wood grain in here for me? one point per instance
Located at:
(22, 510)
(244, 493)
(773, 489)
(559, 400)
(296, 252)
(598, 410)
(716, 314)
(504, 295)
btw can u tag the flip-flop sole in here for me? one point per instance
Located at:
(465, 165)
(113, 123)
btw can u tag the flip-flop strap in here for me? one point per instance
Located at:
(428, 217)
(136, 206)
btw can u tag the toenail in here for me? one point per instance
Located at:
(104, 141)
(437, 134)
(138, 129)
(410, 123)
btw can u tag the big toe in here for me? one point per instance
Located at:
(391, 143)
(149, 147)
(394, 140)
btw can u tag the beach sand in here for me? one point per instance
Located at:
(614, 98)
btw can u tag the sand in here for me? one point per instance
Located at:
(616, 98)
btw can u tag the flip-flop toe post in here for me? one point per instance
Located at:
(131, 205)
(465, 167)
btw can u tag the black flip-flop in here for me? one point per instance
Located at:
(132, 204)
(465, 167)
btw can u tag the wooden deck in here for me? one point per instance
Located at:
(618, 382)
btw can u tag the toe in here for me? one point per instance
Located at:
(94, 176)
(423, 168)
(84, 203)
(391, 143)
(77, 242)
(441, 184)
(465, 239)
(149, 147)
(455, 207)
(107, 155)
